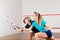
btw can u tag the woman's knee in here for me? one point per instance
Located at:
(37, 35)
(40, 35)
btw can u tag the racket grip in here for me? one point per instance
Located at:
(15, 28)
(18, 27)
(22, 30)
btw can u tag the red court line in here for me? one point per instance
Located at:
(45, 15)
(50, 14)
(56, 28)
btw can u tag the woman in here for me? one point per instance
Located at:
(41, 25)
(28, 22)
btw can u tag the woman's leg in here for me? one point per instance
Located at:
(40, 35)
(30, 36)
(52, 38)
(43, 35)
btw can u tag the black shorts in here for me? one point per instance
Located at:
(49, 34)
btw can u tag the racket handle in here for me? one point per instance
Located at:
(22, 30)
(17, 27)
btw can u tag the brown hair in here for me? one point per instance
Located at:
(39, 17)
(28, 18)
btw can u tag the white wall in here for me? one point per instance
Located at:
(44, 7)
(12, 8)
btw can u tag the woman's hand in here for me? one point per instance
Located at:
(48, 27)
(19, 29)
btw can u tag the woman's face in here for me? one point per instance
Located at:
(26, 21)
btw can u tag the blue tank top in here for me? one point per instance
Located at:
(40, 27)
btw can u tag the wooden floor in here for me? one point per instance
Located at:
(23, 36)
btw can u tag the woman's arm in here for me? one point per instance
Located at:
(19, 29)
(48, 27)
(24, 29)
(27, 30)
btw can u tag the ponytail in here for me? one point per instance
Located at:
(39, 17)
